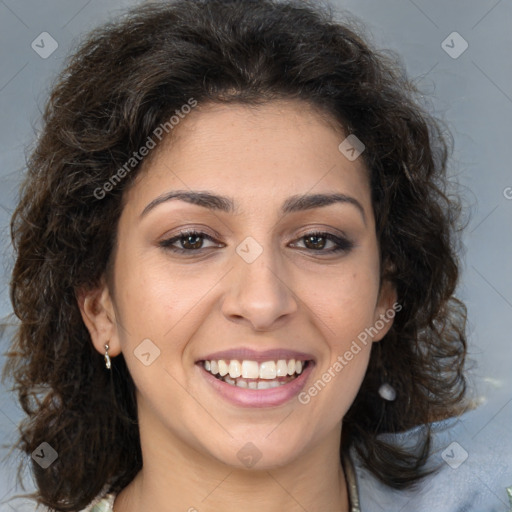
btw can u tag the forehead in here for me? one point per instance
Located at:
(274, 150)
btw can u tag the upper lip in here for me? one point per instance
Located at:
(256, 355)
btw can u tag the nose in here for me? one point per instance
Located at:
(259, 293)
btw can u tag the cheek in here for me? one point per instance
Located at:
(152, 299)
(164, 305)
(344, 306)
(345, 303)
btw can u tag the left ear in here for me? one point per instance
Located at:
(385, 309)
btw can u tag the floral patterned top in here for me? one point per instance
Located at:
(104, 504)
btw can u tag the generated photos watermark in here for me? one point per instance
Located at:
(363, 338)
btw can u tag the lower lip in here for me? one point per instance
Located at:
(270, 397)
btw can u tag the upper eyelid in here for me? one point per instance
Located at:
(207, 231)
(205, 234)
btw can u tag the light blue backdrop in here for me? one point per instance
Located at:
(470, 89)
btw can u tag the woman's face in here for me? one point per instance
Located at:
(271, 271)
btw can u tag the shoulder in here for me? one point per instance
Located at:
(472, 458)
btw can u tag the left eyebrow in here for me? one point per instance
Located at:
(222, 203)
(310, 201)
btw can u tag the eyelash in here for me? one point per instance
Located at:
(342, 244)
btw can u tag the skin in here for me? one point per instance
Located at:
(292, 296)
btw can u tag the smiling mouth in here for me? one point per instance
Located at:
(253, 375)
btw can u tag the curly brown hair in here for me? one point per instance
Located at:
(127, 78)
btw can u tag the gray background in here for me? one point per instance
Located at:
(472, 93)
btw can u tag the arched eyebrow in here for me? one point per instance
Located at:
(226, 204)
(310, 201)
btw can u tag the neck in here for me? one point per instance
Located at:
(176, 477)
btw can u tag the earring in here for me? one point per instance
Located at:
(387, 392)
(107, 357)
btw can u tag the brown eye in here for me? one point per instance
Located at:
(314, 242)
(192, 241)
(189, 241)
(324, 243)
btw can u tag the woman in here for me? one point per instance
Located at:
(235, 268)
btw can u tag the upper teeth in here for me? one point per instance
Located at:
(254, 370)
